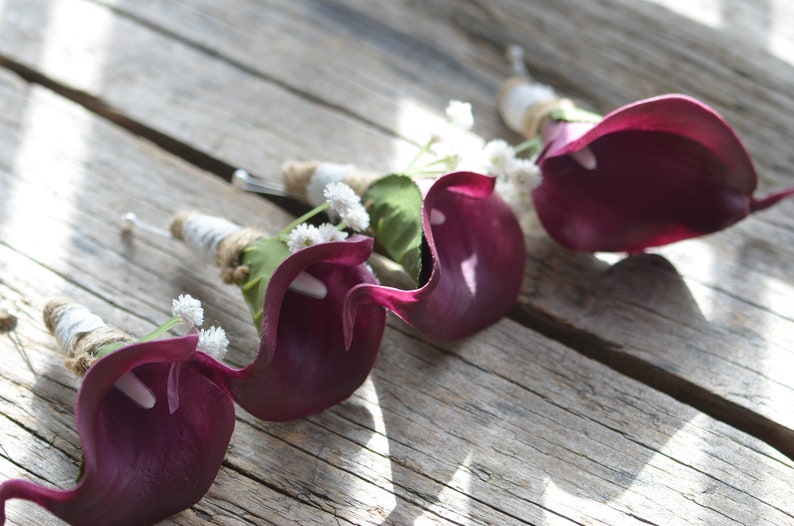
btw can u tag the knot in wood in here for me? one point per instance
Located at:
(8, 322)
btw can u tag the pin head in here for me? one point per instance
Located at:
(515, 56)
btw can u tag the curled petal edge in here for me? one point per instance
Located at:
(414, 306)
(675, 114)
(87, 502)
(322, 389)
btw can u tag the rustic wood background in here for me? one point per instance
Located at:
(657, 389)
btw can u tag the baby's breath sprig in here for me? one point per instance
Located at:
(213, 341)
(340, 201)
(86, 338)
(185, 309)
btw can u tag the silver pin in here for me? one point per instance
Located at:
(515, 56)
(242, 180)
(130, 222)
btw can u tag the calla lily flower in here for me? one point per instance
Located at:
(140, 465)
(304, 364)
(471, 267)
(651, 173)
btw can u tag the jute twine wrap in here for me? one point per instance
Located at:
(534, 115)
(298, 174)
(229, 249)
(81, 352)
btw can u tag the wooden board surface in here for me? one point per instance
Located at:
(507, 427)
(356, 81)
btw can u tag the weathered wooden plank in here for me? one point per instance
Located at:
(274, 119)
(37, 254)
(737, 58)
(622, 52)
(735, 284)
(723, 326)
(506, 427)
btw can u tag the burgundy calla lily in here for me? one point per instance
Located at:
(648, 174)
(140, 465)
(303, 366)
(475, 253)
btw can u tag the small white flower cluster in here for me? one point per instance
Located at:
(500, 160)
(497, 158)
(459, 115)
(516, 177)
(212, 341)
(188, 310)
(306, 235)
(448, 144)
(344, 202)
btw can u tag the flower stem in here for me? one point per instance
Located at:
(302, 219)
(423, 150)
(109, 348)
(159, 331)
(162, 329)
(533, 146)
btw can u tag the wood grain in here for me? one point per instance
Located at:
(508, 427)
(736, 355)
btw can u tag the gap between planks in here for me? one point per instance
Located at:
(180, 149)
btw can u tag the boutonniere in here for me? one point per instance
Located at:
(648, 174)
(153, 430)
(295, 285)
(455, 237)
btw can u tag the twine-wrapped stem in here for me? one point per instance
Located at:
(307, 179)
(80, 334)
(216, 239)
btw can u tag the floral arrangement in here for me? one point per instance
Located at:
(295, 285)
(153, 429)
(155, 415)
(648, 174)
(454, 236)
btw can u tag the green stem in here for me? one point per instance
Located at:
(302, 219)
(533, 145)
(425, 173)
(159, 331)
(444, 160)
(427, 170)
(423, 150)
(109, 348)
(162, 329)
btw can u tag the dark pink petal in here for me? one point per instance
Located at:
(302, 366)
(140, 465)
(667, 169)
(476, 257)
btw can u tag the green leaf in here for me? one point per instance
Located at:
(261, 258)
(395, 209)
(574, 115)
